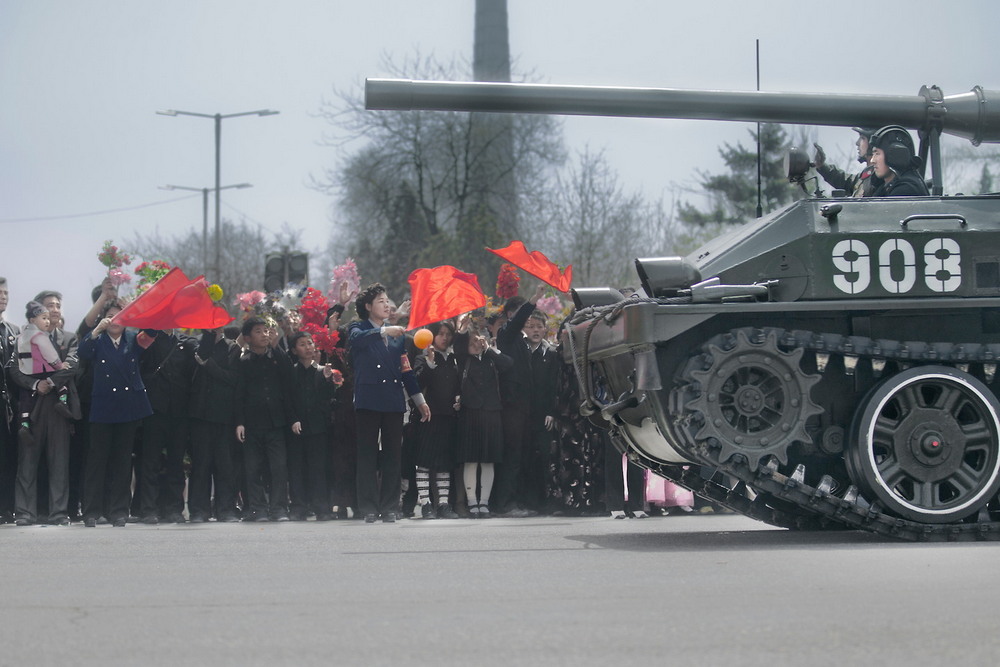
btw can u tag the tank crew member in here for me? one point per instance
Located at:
(857, 185)
(896, 164)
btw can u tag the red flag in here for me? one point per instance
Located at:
(537, 265)
(174, 301)
(442, 292)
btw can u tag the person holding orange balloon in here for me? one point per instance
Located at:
(381, 371)
(434, 450)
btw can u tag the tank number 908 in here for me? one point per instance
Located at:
(896, 264)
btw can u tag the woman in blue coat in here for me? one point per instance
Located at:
(117, 407)
(381, 371)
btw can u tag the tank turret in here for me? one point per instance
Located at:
(830, 365)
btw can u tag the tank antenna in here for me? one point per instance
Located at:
(760, 209)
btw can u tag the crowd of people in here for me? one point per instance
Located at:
(254, 422)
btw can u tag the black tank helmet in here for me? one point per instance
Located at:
(867, 133)
(897, 146)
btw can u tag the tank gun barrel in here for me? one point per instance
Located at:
(967, 115)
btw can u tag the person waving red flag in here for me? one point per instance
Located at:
(442, 292)
(174, 301)
(537, 265)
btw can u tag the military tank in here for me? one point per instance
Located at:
(831, 365)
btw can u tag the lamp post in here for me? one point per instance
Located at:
(204, 226)
(218, 117)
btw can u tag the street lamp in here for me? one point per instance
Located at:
(218, 143)
(204, 208)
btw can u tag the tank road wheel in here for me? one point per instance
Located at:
(752, 398)
(927, 444)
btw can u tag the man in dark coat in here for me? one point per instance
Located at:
(264, 411)
(896, 164)
(51, 422)
(515, 388)
(167, 368)
(213, 402)
(8, 403)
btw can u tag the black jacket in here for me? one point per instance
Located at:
(480, 377)
(516, 383)
(313, 397)
(439, 384)
(264, 390)
(167, 368)
(213, 388)
(907, 184)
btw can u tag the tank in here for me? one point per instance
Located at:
(832, 365)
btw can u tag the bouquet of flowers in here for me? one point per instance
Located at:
(247, 300)
(149, 273)
(113, 258)
(507, 281)
(345, 283)
(550, 305)
(313, 311)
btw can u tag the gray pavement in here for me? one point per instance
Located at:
(688, 590)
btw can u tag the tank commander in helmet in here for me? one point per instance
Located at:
(896, 164)
(858, 185)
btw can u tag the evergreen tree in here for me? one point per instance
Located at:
(732, 196)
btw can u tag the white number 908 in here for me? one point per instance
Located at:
(942, 260)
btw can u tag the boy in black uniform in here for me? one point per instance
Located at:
(264, 410)
(313, 389)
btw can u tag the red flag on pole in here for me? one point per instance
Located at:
(442, 292)
(537, 265)
(174, 301)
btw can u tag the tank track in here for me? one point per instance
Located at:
(822, 506)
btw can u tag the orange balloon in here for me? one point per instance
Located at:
(422, 338)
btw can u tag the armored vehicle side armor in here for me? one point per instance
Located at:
(830, 365)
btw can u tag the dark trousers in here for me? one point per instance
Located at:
(307, 459)
(344, 459)
(212, 460)
(110, 457)
(78, 448)
(614, 482)
(535, 464)
(379, 495)
(50, 436)
(8, 463)
(506, 488)
(162, 433)
(266, 447)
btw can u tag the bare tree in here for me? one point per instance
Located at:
(423, 188)
(242, 254)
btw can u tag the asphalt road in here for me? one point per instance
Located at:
(691, 590)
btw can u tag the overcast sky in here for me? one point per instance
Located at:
(81, 82)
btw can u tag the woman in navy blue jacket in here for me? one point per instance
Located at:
(381, 371)
(118, 405)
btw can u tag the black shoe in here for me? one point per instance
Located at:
(261, 518)
(427, 511)
(326, 516)
(370, 518)
(444, 511)
(197, 518)
(175, 517)
(59, 521)
(90, 522)
(150, 520)
(389, 517)
(228, 518)
(23, 522)
(119, 522)
(280, 517)
(297, 516)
